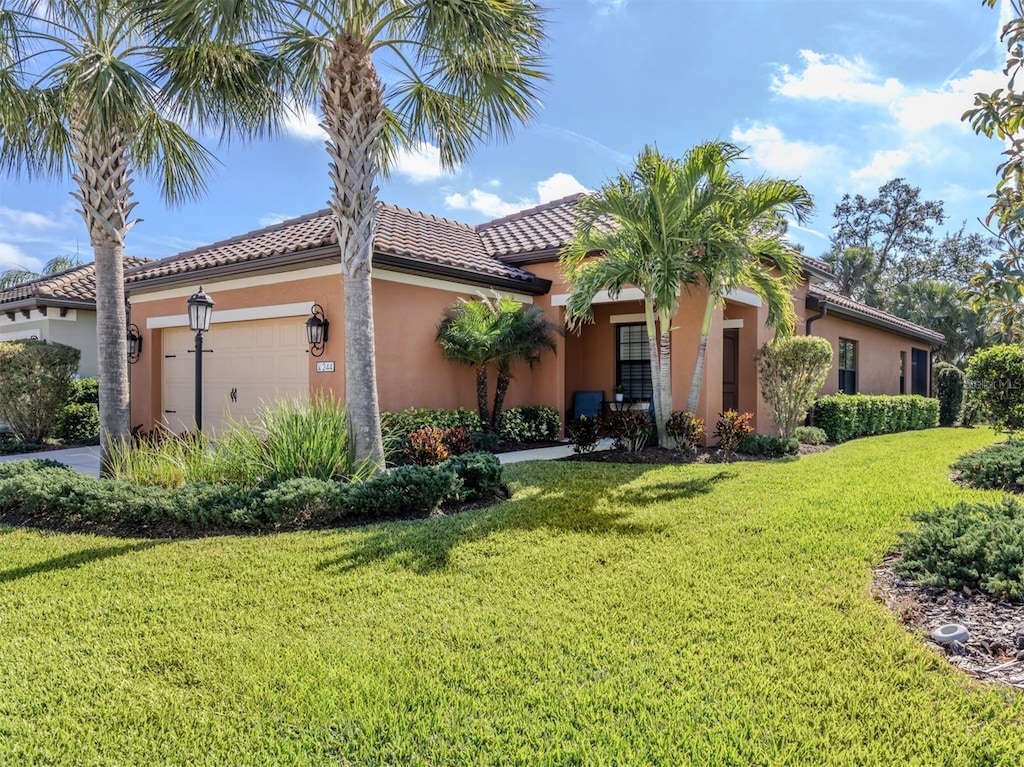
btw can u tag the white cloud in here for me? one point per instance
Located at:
(304, 124)
(836, 78)
(608, 7)
(884, 165)
(780, 156)
(420, 163)
(12, 257)
(27, 219)
(491, 205)
(269, 219)
(924, 109)
(794, 226)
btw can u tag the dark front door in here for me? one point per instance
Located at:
(730, 369)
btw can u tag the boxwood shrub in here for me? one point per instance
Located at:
(530, 423)
(810, 435)
(480, 473)
(761, 444)
(846, 416)
(975, 545)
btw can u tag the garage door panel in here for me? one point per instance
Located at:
(260, 360)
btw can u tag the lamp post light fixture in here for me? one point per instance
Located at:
(316, 330)
(134, 344)
(200, 310)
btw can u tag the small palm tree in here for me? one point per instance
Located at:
(97, 90)
(526, 332)
(745, 248)
(458, 73)
(645, 229)
(20, 274)
(496, 331)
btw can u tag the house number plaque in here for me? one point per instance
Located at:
(325, 367)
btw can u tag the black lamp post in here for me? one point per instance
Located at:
(200, 310)
(316, 330)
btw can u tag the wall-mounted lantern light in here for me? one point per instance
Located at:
(316, 330)
(134, 344)
(200, 311)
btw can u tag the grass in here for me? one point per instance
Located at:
(694, 615)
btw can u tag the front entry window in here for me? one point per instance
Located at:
(633, 361)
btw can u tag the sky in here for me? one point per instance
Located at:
(840, 95)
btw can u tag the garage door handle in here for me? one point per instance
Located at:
(234, 395)
(170, 411)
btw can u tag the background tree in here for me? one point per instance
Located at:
(644, 229)
(458, 73)
(526, 333)
(20, 274)
(93, 88)
(946, 309)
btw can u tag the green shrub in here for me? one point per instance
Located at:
(413, 419)
(995, 380)
(583, 434)
(761, 444)
(530, 423)
(631, 429)
(35, 378)
(995, 467)
(303, 500)
(486, 441)
(846, 416)
(970, 410)
(686, 429)
(949, 389)
(792, 371)
(78, 423)
(402, 490)
(426, 447)
(459, 440)
(732, 428)
(980, 546)
(83, 391)
(480, 473)
(11, 444)
(810, 435)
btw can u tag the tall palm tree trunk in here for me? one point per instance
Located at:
(665, 378)
(702, 353)
(353, 119)
(104, 193)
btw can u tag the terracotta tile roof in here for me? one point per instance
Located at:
(73, 285)
(870, 314)
(544, 227)
(401, 232)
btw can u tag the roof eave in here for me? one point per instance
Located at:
(816, 303)
(537, 286)
(33, 302)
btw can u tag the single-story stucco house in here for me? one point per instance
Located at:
(265, 282)
(58, 307)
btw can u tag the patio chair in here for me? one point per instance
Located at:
(587, 403)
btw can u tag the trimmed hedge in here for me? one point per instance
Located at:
(847, 416)
(530, 423)
(810, 435)
(416, 418)
(995, 385)
(48, 493)
(949, 389)
(975, 545)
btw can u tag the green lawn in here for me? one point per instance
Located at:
(699, 615)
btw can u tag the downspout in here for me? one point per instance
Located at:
(811, 320)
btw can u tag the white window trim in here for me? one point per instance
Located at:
(277, 311)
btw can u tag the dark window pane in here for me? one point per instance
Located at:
(633, 361)
(919, 371)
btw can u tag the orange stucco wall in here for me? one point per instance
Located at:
(412, 370)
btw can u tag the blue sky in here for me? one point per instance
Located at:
(841, 95)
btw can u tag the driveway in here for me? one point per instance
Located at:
(86, 459)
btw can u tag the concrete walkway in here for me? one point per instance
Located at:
(87, 459)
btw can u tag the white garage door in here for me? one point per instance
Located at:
(248, 363)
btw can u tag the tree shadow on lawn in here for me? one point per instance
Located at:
(425, 546)
(74, 560)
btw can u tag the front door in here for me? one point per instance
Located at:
(730, 369)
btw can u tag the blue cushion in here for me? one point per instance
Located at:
(587, 403)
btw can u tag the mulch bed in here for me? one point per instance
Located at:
(662, 455)
(512, 447)
(995, 650)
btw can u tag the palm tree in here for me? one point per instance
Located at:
(20, 274)
(94, 89)
(646, 229)
(457, 73)
(469, 334)
(944, 308)
(526, 332)
(746, 249)
(496, 331)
